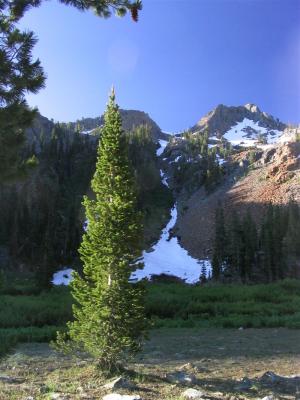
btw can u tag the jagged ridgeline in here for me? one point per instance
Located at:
(42, 216)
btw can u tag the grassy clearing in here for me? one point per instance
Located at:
(227, 306)
(33, 318)
(46, 308)
(26, 317)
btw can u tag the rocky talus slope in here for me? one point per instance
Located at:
(273, 178)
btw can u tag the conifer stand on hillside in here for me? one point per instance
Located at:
(109, 321)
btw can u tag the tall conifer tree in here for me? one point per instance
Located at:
(220, 245)
(109, 314)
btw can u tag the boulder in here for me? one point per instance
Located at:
(244, 384)
(57, 396)
(270, 378)
(120, 383)
(192, 394)
(186, 366)
(181, 377)
(117, 396)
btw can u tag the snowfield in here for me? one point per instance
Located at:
(237, 135)
(168, 257)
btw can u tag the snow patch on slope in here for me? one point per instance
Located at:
(87, 132)
(163, 178)
(62, 277)
(247, 133)
(220, 160)
(289, 135)
(163, 145)
(168, 257)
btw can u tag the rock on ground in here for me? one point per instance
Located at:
(245, 384)
(120, 383)
(57, 396)
(192, 394)
(117, 396)
(181, 378)
(8, 379)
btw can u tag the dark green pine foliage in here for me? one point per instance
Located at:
(272, 254)
(250, 247)
(41, 221)
(220, 245)
(19, 75)
(265, 253)
(293, 231)
(241, 254)
(109, 312)
(204, 169)
(280, 221)
(213, 171)
(268, 244)
(292, 240)
(203, 275)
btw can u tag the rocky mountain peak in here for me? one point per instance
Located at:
(249, 120)
(252, 108)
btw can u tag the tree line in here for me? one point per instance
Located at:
(42, 216)
(247, 252)
(200, 163)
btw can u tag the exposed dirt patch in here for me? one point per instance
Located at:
(219, 359)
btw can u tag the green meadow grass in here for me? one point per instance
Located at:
(26, 317)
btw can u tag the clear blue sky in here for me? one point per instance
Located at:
(179, 61)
